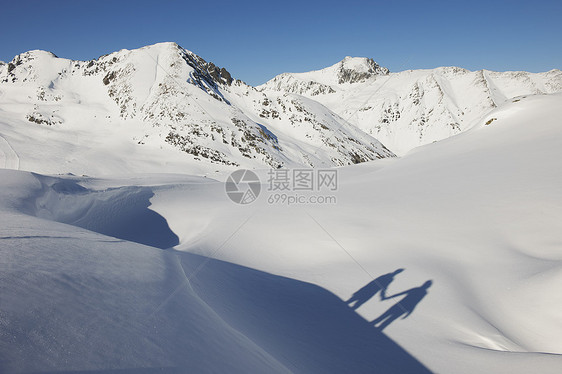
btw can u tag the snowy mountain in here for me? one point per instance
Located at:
(173, 111)
(411, 108)
(119, 254)
(165, 102)
(164, 274)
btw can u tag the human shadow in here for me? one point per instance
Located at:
(404, 307)
(371, 289)
(305, 327)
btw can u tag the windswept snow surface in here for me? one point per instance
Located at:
(479, 214)
(262, 287)
(73, 300)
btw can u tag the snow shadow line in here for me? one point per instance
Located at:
(305, 327)
(122, 212)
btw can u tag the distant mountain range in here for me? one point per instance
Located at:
(415, 107)
(163, 102)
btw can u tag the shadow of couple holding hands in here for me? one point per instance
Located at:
(402, 308)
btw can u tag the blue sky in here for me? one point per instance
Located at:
(258, 40)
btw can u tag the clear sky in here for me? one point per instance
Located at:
(256, 40)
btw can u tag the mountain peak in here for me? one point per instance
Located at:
(32, 55)
(349, 70)
(358, 69)
(161, 47)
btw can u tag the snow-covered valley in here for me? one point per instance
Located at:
(121, 252)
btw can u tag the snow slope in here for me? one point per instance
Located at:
(262, 287)
(478, 214)
(411, 108)
(75, 300)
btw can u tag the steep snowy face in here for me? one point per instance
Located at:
(168, 98)
(411, 108)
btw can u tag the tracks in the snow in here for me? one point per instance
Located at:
(8, 157)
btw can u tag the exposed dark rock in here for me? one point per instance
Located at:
(109, 77)
(187, 145)
(354, 76)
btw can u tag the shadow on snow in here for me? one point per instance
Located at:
(122, 213)
(305, 327)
